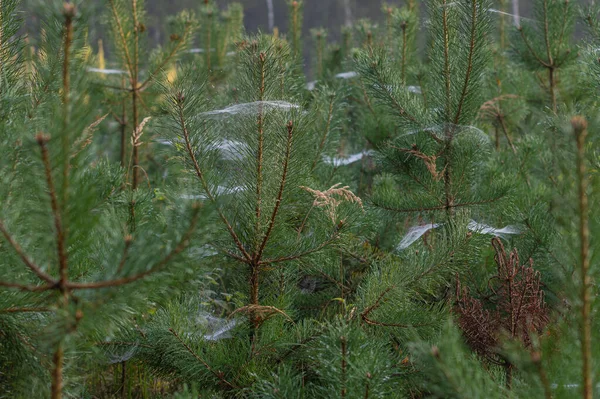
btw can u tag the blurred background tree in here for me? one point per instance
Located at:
(330, 14)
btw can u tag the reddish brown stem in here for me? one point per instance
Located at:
(580, 129)
(42, 141)
(69, 13)
(57, 372)
(26, 260)
(286, 159)
(344, 365)
(123, 123)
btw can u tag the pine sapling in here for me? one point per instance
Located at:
(545, 44)
(579, 125)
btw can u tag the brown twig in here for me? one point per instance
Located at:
(26, 260)
(344, 342)
(57, 372)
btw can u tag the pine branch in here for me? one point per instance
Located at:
(446, 41)
(531, 50)
(26, 260)
(128, 241)
(57, 372)
(117, 19)
(24, 310)
(472, 48)
(188, 145)
(42, 141)
(442, 207)
(181, 42)
(547, 33)
(325, 132)
(181, 245)
(286, 159)
(319, 247)
(259, 154)
(217, 374)
(365, 313)
(27, 288)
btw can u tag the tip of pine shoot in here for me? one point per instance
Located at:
(42, 138)
(69, 10)
(579, 124)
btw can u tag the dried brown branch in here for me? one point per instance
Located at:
(327, 199)
(86, 136)
(429, 160)
(517, 312)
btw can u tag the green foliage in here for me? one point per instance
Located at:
(195, 220)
